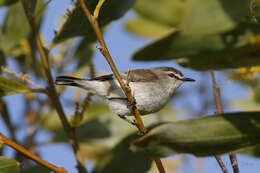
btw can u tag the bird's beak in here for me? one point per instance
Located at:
(185, 79)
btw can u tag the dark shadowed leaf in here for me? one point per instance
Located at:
(121, 159)
(35, 169)
(76, 23)
(8, 165)
(205, 136)
(253, 151)
(7, 2)
(10, 86)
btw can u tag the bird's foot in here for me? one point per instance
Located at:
(132, 104)
(132, 122)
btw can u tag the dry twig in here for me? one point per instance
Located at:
(219, 110)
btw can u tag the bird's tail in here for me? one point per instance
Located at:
(68, 80)
(96, 87)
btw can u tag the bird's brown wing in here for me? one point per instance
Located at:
(139, 75)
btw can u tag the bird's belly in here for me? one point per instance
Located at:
(119, 107)
(150, 99)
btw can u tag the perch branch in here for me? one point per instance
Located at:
(104, 50)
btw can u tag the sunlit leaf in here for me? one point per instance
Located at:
(205, 136)
(226, 15)
(76, 23)
(169, 14)
(147, 28)
(8, 165)
(10, 86)
(245, 104)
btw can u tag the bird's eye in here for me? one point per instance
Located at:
(171, 75)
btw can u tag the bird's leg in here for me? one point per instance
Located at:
(127, 120)
(129, 106)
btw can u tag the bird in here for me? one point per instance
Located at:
(151, 89)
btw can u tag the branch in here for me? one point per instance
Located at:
(23, 77)
(219, 110)
(32, 156)
(127, 90)
(70, 131)
(5, 114)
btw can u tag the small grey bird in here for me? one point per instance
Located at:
(151, 89)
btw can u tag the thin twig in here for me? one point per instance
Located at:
(42, 9)
(97, 9)
(127, 90)
(23, 77)
(52, 93)
(6, 117)
(221, 164)
(219, 110)
(32, 156)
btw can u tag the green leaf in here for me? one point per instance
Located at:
(34, 169)
(203, 52)
(147, 28)
(13, 38)
(8, 165)
(253, 151)
(214, 16)
(169, 14)
(202, 43)
(77, 24)
(257, 94)
(7, 2)
(207, 136)
(84, 51)
(192, 16)
(14, 21)
(121, 159)
(10, 86)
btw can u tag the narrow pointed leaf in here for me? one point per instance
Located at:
(77, 24)
(10, 86)
(8, 165)
(207, 136)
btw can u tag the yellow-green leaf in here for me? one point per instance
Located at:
(8, 165)
(10, 86)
